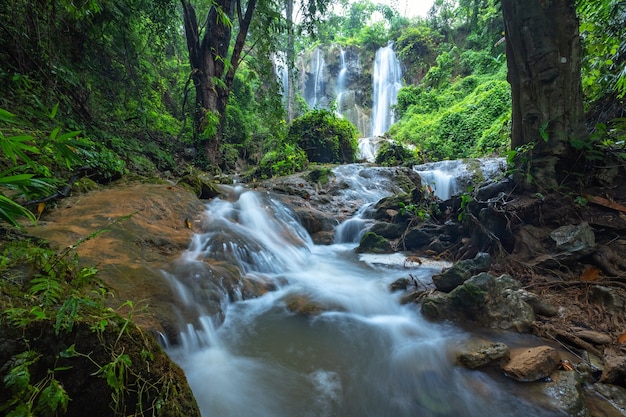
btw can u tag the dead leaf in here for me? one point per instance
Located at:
(188, 224)
(606, 203)
(590, 273)
(40, 208)
(622, 339)
(566, 365)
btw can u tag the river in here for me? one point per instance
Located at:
(347, 348)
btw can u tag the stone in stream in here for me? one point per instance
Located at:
(532, 364)
(489, 301)
(461, 271)
(477, 355)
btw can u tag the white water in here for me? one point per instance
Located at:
(364, 355)
(387, 81)
(449, 178)
(315, 92)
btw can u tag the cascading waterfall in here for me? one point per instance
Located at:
(341, 81)
(387, 81)
(359, 353)
(315, 91)
(450, 178)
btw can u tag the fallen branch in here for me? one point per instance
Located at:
(63, 192)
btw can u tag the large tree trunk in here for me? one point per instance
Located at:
(213, 67)
(544, 57)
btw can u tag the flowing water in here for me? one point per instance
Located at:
(358, 353)
(387, 81)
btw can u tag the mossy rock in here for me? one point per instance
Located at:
(320, 175)
(374, 243)
(201, 187)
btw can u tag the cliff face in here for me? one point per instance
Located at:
(340, 77)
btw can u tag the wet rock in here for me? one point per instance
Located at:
(489, 301)
(532, 364)
(483, 354)
(539, 305)
(401, 284)
(303, 306)
(202, 187)
(614, 370)
(388, 230)
(416, 238)
(564, 392)
(606, 400)
(492, 190)
(373, 243)
(461, 271)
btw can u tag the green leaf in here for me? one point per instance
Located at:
(52, 400)
(54, 110)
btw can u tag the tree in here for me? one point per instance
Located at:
(543, 54)
(213, 62)
(216, 49)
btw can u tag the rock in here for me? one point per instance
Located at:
(591, 336)
(461, 271)
(565, 393)
(573, 239)
(614, 370)
(202, 187)
(532, 364)
(610, 298)
(539, 305)
(488, 301)
(373, 243)
(400, 284)
(416, 238)
(483, 354)
(606, 400)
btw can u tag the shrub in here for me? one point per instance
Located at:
(393, 154)
(324, 137)
(286, 160)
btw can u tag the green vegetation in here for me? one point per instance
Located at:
(324, 137)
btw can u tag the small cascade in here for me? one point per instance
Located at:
(330, 339)
(451, 178)
(387, 81)
(315, 88)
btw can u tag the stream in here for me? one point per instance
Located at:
(352, 350)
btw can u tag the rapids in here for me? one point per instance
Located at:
(360, 353)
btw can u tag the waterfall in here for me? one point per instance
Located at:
(315, 89)
(341, 81)
(449, 178)
(330, 339)
(387, 81)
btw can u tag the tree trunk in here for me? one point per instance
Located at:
(213, 68)
(544, 58)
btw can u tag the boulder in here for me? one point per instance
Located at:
(488, 301)
(614, 370)
(483, 354)
(532, 364)
(373, 243)
(565, 392)
(461, 271)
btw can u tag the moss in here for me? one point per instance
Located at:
(373, 243)
(320, 175)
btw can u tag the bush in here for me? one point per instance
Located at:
(286, 160)
(393, 154)
(324, 137)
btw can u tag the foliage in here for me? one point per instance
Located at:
(604, 41)
(394, 154)
(324, 137)
(467, 118)
(285, 160)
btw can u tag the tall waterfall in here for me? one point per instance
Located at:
(316, 88)
(341, 81)
(387, 81)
